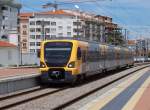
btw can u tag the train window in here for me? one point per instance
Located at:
(84, 56)
(79, 53)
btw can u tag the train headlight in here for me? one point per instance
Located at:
(42, 65)
(71, 64)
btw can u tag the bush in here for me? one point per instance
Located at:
(1, 65)
(13, 65)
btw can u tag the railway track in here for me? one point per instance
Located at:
(29, 95)
(78, 98)
(55, 94)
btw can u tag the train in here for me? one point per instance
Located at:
(69, 60)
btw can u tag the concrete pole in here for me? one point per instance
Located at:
(43, 30)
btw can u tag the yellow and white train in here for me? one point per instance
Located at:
(69, 60)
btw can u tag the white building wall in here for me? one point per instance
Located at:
(9, 24)
(30, 59)
(66, 22)
(9, 56)
(0, 20)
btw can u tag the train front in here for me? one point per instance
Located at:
(58, 62)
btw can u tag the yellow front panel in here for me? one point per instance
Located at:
(73, 57)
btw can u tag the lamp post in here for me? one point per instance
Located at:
(19, 39)
(77, 7)
(43, 31)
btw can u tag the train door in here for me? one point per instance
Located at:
(79, 60)
(105, 57)
(102, 56)
(82, 51)
(117, 57)
(127, 57)
(84, 60)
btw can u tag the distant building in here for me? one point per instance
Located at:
(35, 27)
(132, 44)
(8, 54)
(9, 21)
(141, 48)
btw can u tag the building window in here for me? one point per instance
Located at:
(60, 27)
(32, 43)
(53, 36)
(32, 50)
(76, 23)
(32, 36)
(53, 30)
(60, 34)
(38, 37)
(38, 29)
(47, 30)
(24, 32)
(3, 27)
(4, 37)
(24, 40)
(68, 33)
(24, 26)
(5, 17)
(4, 8)
(47, 36)
(38, 23)
(38, 43)
(53, 23)
(32, 23)
(32, 30)
(47, 22)
(24, 45)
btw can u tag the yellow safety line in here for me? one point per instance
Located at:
(135, 98)
(104, 99)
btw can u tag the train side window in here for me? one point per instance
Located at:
(79, 53)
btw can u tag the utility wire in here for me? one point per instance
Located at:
(72, 2)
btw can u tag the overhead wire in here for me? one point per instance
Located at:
(96, 2)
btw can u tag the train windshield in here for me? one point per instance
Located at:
(57, 54)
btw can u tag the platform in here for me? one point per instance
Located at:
(11, 72)
(132, 94)
(15, 79)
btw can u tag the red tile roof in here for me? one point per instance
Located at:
(25, 14)
(57, 12)
(131, 42)
(6, 44)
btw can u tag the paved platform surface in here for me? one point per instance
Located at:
(132, 94)
(11, 72)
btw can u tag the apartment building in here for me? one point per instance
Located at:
(60, 23)
(9, 21)
(0, 17)
(24, 31)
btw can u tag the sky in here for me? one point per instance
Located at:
(132, 15)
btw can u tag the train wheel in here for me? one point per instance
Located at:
(73, 82)
(84, 77)
(80, 79)
(104, 71)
